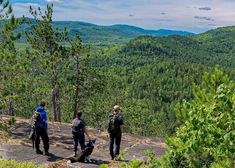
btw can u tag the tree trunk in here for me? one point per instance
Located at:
(11, 109)
(54, 94)
(54, 104)
(58, 105)
(76, 108)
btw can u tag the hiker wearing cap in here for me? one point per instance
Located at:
(41, 129)
(115, 129)
(78, 130)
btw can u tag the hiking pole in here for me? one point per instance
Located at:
(34, 137)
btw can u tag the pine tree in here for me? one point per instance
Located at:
(9, 66)
(48, 41)
(75, 52)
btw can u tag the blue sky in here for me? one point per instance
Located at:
(190, 15)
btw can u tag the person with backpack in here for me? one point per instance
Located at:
(78, 130)
(115, 129)
(40, 128)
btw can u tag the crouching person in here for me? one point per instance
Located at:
(78, 130)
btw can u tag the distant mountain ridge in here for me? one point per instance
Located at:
(159, 32)
(210, 48)
(106, 35)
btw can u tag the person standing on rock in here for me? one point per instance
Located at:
(41, 129)
(78, 130)
(115, 129)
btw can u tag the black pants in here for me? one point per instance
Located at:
(43, 134)
(115, 138)
(78, 137)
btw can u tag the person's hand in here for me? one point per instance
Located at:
(89, 138)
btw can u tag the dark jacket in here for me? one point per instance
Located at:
(78, 126)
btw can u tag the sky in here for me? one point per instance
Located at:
(189, 15)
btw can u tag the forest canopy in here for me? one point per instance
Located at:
(148, 76)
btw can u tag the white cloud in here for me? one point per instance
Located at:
(180, 14)
(53, 0)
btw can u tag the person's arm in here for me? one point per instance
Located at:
(121, 127)
(44, 118)
(72, 124)
(121, 124)
(86, 132)
(46, 122)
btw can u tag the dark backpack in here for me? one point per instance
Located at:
(113, 125)
(78, 126)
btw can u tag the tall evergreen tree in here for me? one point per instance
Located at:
(76, 50)
(9, 67)
(44, 38)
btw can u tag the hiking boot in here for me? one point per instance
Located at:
(39, 152)
(75, 154)
(88, 159)
(47, 153)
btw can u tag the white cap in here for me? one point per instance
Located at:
(116, 107)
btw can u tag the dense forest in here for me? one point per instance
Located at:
(161, 83)
(148, 76)
(99, 36)
(205, 134)
(151, 75)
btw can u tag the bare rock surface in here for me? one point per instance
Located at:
(20, 148)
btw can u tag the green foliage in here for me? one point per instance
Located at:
(3, 126)
(11, 121)
(207, 135)
(133, 164)
(51, 53)
(8, 24)
(218, 41)
(146, 92)
(149, 76)
(4, 131)
(205, 138)
(227, 163)
(151, 162)
(101, 36)
(103, 166)
(13, 163)
(9, 65)
(122, 156)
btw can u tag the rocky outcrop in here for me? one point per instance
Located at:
(20, 148)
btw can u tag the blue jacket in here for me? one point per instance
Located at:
(42, 123)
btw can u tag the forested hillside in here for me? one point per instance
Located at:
(205, 133)
(148, 76)
(98, 35)
(157, 81)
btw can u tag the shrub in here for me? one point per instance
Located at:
(207, 134)
(13, 163)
